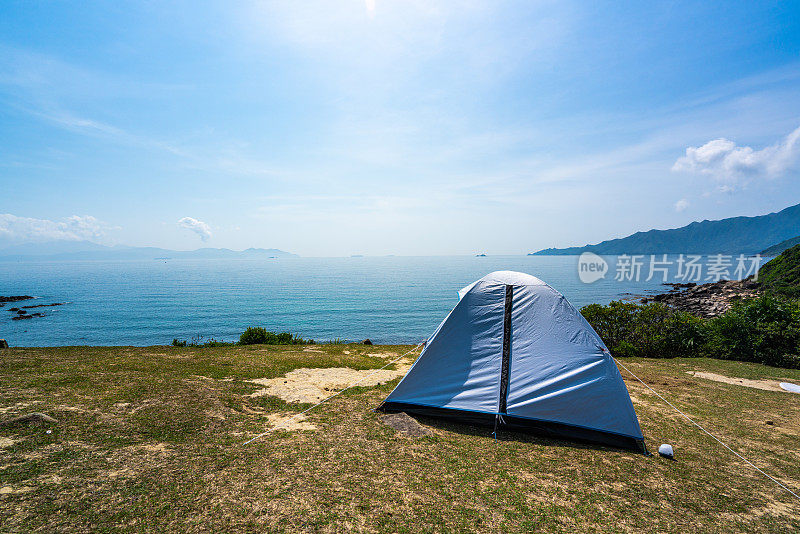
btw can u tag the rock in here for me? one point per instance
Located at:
(35, 418)
(21, 312)
(3, 344)
(15, 298)
(21, 317)
(13, 309)
(706, 300)
(405, 425)
(367, 342)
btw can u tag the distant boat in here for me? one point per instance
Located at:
(480, 255)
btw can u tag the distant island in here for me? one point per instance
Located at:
(748, 235)
(86, 250)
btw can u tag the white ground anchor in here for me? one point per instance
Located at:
(748, 462)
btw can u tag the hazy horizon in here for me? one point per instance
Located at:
(385, 127)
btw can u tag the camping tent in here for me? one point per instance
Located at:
(516, 354)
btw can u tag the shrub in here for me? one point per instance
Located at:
(652, 330)
(255, 335)
(765, 329)
(176, 343)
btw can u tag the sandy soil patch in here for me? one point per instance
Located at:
(312, 385)
(766, 385)
(386, 355)
(6, 442)
(158, 447)
(8, 490)
(14, 407)
(284, 421)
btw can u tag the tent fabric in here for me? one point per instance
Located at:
(560, 375)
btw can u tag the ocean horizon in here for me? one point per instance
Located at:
(388, 299)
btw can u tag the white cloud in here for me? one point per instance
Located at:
(198, 227)
(74, 228)
(681, 205)
(729, 163)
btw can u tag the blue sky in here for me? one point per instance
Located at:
(374, 127)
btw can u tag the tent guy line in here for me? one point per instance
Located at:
(751, 464)
(326, 399)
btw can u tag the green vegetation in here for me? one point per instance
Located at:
(151, 439)
(774, 250)
(781, 275)
(255, 335)
(651, 330)
(764, 329)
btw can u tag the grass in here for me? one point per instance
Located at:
(150, 439)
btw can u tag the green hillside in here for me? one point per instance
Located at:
(782, 274)
(774, 250)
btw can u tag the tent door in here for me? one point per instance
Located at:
(504, 370)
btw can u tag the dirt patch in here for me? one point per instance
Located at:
(6, 442)
(158, 447)
(312, 385)
(284, 421)
(766, 385)
(405, 425)
(15, 407)
(9, 490)
(386, 355)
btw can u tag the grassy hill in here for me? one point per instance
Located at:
(774, 250)
(782, 274)
(151, 439)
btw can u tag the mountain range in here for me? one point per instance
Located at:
(735, 235)
(87, 250)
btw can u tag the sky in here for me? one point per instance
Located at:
(339, 127)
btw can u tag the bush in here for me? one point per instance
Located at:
(652, 330)
(255, 335)
(763, 330)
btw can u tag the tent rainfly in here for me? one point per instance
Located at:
(516, 354)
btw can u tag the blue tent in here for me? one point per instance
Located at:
(516, 354)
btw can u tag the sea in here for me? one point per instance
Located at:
(389, 300)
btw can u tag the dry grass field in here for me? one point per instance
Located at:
(151, 439)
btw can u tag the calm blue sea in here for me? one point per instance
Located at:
(386, 299)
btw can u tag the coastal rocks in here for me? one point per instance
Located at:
(25, 315)
(43, 305)
(3, 344)
(15, 298)
(367, 342)
(706, 300)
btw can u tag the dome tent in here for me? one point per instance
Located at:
(515, 353)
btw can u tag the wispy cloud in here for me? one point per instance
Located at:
(729, 163)
(681, 205)
(198, 227)
(74, 228)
